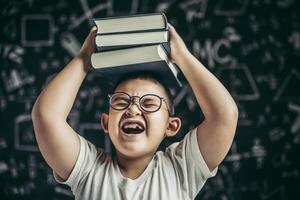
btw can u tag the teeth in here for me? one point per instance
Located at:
(133, 126)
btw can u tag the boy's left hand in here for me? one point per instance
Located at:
(178, 47)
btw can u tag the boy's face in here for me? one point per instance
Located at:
(152, 127)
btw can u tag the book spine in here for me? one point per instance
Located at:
(166, 47)
(165, 21)
(173, 67)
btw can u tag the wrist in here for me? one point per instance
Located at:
(85, 60)
(182, 57)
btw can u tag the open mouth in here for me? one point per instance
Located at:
(133, 127)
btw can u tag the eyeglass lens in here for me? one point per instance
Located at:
(149, 102)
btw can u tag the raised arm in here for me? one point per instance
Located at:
(57, 141)
(216, 132)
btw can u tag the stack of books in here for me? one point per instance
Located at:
(134, 43)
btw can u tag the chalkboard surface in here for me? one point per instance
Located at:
(253, 47)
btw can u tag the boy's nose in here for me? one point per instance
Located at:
(134, 109)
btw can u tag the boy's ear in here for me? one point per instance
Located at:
(104, 122)
(173, 127)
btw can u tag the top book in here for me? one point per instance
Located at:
(131, 23)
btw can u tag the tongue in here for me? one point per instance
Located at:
(132, 130)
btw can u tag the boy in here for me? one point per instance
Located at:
(139, 117)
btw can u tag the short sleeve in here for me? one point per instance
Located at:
(189, 164)
(87, 157)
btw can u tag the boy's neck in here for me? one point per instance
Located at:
(133, 168)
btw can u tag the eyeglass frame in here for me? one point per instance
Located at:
(170, 107)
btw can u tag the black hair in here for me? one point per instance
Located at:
(147, 75)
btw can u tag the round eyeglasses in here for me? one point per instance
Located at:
(148, 102)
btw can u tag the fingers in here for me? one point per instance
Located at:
(93, 29)
(91, 36)
(89, 45)
(173, 32)
(171, 28)
(93, 32)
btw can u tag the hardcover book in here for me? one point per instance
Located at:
(131, 23)
(113, 41)
(152, 58)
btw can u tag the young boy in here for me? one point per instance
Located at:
(139, 118)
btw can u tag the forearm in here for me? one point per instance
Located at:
(216, 132)
(213, 98)
(57, 99)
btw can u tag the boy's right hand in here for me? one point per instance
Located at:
(88, 46)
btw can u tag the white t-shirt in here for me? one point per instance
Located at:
(178, 173)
